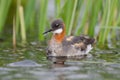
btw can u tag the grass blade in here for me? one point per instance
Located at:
(22, 22)
(29, 12)
(94, 16)
(57, 8)
(43, 16)
(85, 17)
(4, 7)
(72, 18)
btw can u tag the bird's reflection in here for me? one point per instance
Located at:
(59, 61)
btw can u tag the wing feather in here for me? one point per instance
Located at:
(79, 42)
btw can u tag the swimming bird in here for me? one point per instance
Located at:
(69, 46)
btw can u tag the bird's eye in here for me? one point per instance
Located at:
(57, 25)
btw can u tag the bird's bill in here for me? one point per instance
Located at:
(47, 31)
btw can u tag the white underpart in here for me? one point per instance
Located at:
(79, 52)
(89, 47)
(58, 31)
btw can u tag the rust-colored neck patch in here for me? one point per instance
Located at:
(60, 37)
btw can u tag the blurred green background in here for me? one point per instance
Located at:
(21, 19)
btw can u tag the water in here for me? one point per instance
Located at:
(30, 63)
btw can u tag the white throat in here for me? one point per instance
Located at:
(58, 31)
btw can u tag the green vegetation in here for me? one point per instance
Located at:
(4, 7)
(80, 17)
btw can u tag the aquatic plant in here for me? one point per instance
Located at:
(4, 7)
(96, 18)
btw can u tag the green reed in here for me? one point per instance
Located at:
(22, 24)
(94, 16)
(4, 7)
(67, 12)
(42, 18)
(72, 18)
(57, 8)
(29, 14)
(80, 17)
(108, 17)
(91, 14)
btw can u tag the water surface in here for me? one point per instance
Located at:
(30, 63)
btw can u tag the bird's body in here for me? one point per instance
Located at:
(69, 46)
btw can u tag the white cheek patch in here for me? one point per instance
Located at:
(58, 31)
